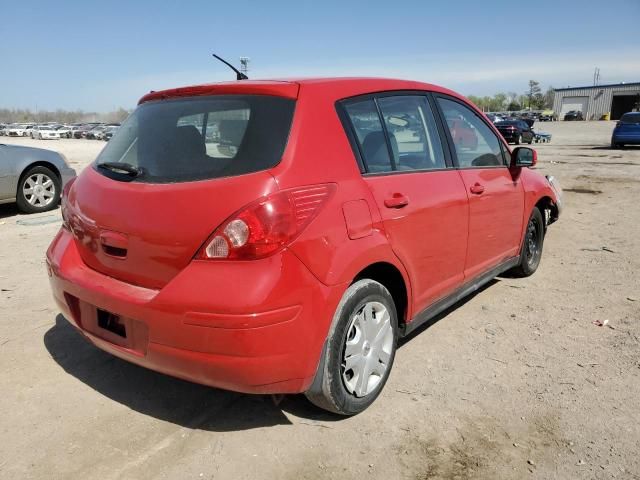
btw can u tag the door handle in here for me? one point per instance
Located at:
(397, 200)
(477, 188)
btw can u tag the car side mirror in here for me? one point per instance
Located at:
(524, 157)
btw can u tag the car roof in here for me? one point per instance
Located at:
(333, 88)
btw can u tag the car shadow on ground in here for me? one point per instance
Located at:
(609, 147)
(9, 210)
(167, 398)
(180, 402)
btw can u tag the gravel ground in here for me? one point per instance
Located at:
(514, 382)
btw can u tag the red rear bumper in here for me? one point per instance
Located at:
(255, 327)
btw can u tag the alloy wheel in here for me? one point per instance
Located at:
(39, 190)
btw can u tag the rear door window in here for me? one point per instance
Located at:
(202, 138)
(367, 126)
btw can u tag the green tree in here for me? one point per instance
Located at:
(535, 93)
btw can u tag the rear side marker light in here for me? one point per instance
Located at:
(267, 225)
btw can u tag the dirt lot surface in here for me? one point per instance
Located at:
(515, 382)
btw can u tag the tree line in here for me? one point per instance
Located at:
(532, 99)
(20, 115)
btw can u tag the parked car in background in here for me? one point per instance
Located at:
(18, 130)
(494, 117)
(63, 130)
(3, 129)
(83, 130)
(573, 115)
(32, 177)
(547, 116)
(100, 133)
(96, 130)
(462, 132)
(73, 129)
(516, 131)
(108, 133)
(337, 231)
(627, 130)
(46, 132)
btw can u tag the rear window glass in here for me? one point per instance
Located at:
(630, 118)
(201, 138)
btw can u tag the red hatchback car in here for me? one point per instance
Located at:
(280, 236)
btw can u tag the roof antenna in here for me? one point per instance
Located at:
(239, 74)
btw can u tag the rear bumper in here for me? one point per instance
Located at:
(254, 327)
(509, 136)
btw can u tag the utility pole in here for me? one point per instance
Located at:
(596, 77)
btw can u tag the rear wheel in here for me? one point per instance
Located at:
(38, 190)
(359, 350)
(531, 250)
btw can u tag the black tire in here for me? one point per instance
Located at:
(23, 203)
(329, 389)
(531, 250)
(518, 140)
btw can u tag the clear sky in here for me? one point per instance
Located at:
(103, 55)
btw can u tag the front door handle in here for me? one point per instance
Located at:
(397, 200)
(477, 188)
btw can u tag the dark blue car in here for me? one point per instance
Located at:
(627, 131)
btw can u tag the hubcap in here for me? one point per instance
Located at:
(367, 349)
(39, 190)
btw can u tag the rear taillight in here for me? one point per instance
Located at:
(266, 225)
(63, 204)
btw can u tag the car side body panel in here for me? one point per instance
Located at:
(15, 160)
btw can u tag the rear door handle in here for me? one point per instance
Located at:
(397, 200)
(477, 188)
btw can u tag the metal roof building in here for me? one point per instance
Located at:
(596, 101)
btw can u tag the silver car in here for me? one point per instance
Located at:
(32, 177)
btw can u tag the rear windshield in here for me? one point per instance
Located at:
(630, 118)
(201, 138)
(507, 123)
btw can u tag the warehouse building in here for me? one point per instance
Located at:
(595, 102)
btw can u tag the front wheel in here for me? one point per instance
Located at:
(531, 250)
(359, 351)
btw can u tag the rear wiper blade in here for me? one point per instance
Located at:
(121, 168)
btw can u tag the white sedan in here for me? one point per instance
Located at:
(18, 130)
(45, 132)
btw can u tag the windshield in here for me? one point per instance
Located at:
(201, 138)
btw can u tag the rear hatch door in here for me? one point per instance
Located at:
(174, 171)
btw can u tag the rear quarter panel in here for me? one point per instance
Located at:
(319, 152)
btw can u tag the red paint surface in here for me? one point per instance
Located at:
(259, 325)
